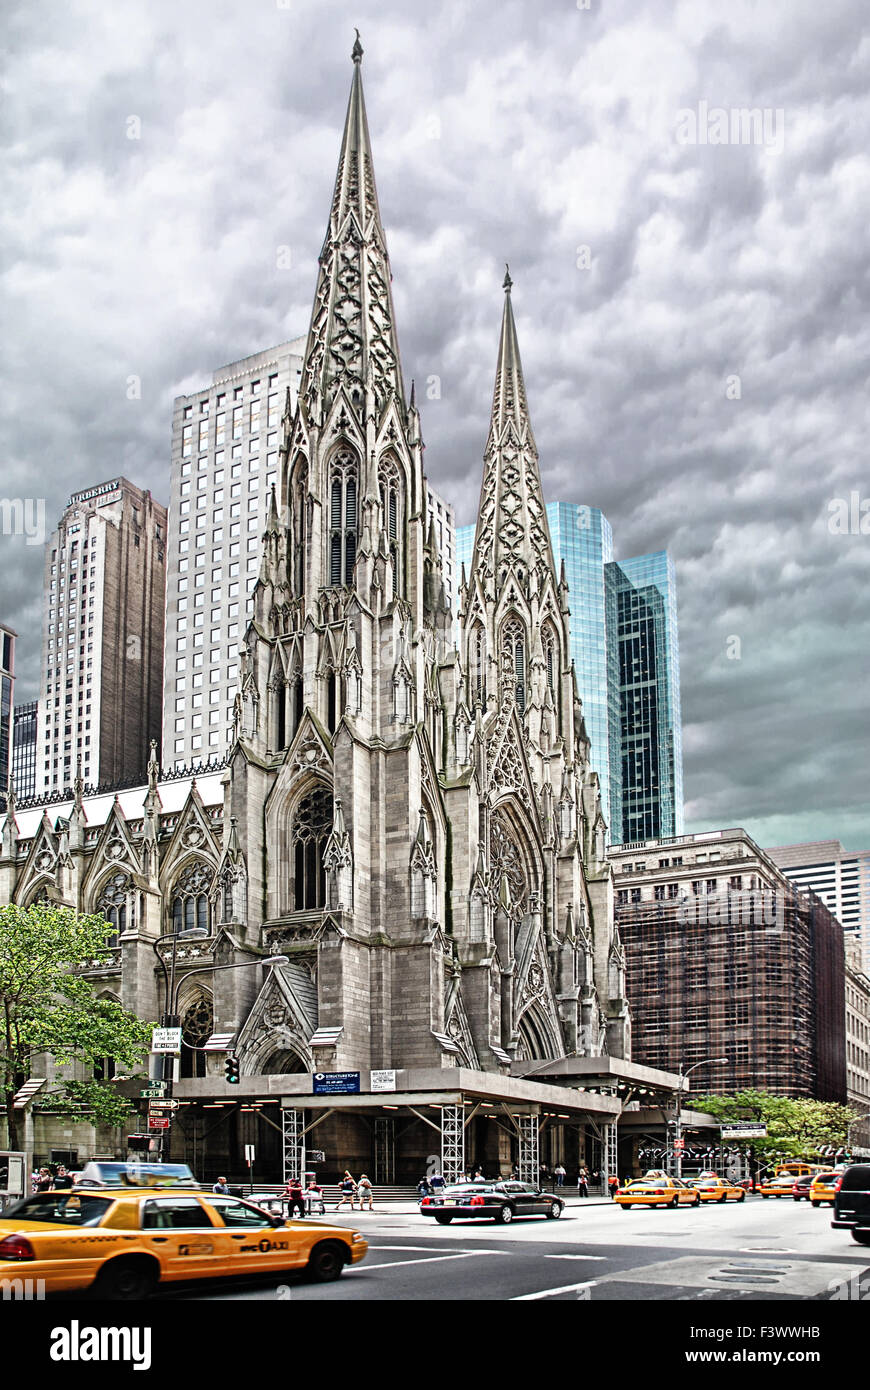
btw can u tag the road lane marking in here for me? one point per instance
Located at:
(576, 1257)
(433, 1259)
(551, 1293)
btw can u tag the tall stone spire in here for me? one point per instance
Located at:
(352, 339)
(512, 533)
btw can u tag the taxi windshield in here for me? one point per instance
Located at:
(63, 1208)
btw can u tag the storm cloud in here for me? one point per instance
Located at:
(693, 317)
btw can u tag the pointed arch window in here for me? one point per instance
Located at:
(312, 824)
(393, 512)
(300, 530)
(343, 519)
(478, 666)
(197, 1026)
(551, 659)
(514, 648)
(113, 905)
(190, 899)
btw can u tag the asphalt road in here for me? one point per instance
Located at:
(757, 1250)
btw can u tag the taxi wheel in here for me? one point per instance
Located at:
(504, 1214)
(326, 1262)
(742, 1197)
(814, 1202)
(126, 1280)
(554, 1211)
(675, 1201)
(723, 1198)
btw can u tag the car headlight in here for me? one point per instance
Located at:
(357, 1235)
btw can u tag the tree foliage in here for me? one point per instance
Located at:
(46, 1005)
(796, 1128)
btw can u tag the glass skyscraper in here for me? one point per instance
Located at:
(625, 649)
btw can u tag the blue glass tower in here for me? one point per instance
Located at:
(625, 649)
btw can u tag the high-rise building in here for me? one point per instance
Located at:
(25, 720)
(102, 641)
(442, 517)
(841, 878)
(643, 648)
(625, 649)
(858, 1044)
(7, 682)
(225, 446)
(726, 958)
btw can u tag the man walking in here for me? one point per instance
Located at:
(560, 1175)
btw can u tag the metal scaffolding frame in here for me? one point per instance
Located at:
(610, 1153)
(528, 1130)
(452, 1141)
(385, 1149)
(294, 1143)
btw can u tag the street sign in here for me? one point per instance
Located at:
(249, 1154)
(157, 1105)
(315, 1156)
(166, 1040)
(679, 1145)
(158, 1122)
(336, 1083)
(156, 1089)
(742, 1130)
(383, 1080)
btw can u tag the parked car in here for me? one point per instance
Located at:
(498, 1201)
(852, 1202)
(824, 1188)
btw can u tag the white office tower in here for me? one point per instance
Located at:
(840, 877)
(225, 442)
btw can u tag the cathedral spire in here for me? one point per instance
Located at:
(352, 340)
(512, 533)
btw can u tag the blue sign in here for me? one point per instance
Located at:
(336, 1083)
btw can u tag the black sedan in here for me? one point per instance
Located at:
(498, 1201)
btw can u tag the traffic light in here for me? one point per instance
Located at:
(231, 1070)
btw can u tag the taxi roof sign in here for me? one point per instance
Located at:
(97, 1174)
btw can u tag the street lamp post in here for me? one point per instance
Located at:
(678, 1129)
(169, 1019)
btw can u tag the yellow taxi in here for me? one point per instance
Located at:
(824, 1188)
(657, 1191)
(715, 1189)
(122, 1242)
(780, 1186)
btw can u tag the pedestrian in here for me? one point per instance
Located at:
(423, 1187)
(294, 1197)
(366, 1194)
(560, 1175)
(222, 1186)
(478, 1174)
(583, 1183)
(314, 1197)
(613, 1185)
(44, 1180)
(63, 1179)
(347, 1188)
(436, 1182)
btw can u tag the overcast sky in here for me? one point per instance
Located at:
(699, 371)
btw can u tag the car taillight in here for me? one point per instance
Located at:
(16, 1248)
(477, 1202)
(426, 1202)
(837, 1182)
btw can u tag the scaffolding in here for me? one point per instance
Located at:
(609, 1154)
(452, 1142)
(757, 988)
(528, 1127)
(294, 1143)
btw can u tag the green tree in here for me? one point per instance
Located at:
(47, 1006)
(796, 1128)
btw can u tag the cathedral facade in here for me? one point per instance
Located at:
(417, 829)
